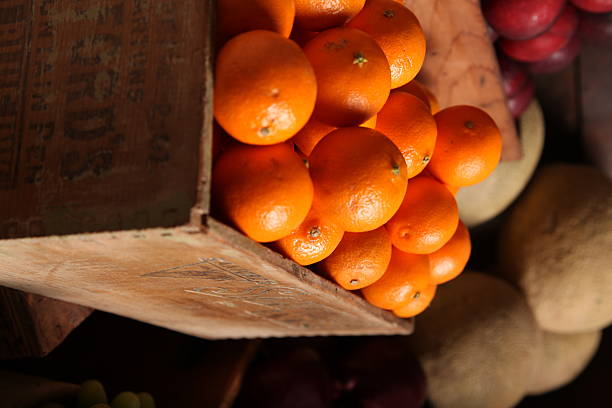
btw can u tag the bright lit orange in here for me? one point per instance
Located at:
(450, 260)
(360, 259)
(314, 240)
(427, 218)
(398, 32)
(359, 177)
(468, 147)
(265, 88)
(353, 78)
(406, 120)
(265, 191)
(406, 277)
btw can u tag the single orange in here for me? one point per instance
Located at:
(308, 137)
(359, 178)
(314, 240)
(353, 78)
(418, 303)
(370, 123)
(360, 259)
(419, 90)
(406, 120)
(265, 88)
(406, 276)
(468, 147)
(238, 16)
(427, 218)
(317, 15)
(265, 191)
(398, 32)
(450, 260)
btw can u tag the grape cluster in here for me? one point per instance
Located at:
(93, 395)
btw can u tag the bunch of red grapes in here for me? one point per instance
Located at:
(541, 37)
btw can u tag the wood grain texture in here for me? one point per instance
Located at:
(33, 325)
(214, 284)
(100, 114)
(460, 66)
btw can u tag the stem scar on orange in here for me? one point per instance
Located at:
(450, 260)
(265, 191)
(360, 259)
(468, 147)
(265, 88)
(406, 278)
(359, 177)
(398, 32)
(427, 218)
(417, 303)
(353, 78)
(406, 120)
(314, 240)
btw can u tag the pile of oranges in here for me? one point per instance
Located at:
(338, 157)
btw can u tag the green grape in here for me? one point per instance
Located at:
(126, 400)
(146, 400)
(52, 405)
(91, 392)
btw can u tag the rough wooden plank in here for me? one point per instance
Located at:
(33, 325)
(100, 114)
(213, 284)
(461, 66)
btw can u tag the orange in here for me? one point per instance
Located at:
(370, 123)
(418, 303)
(352, 73)
(427, 218)
(360, 259)
(315, 130)
(398, 32)
(406, 120)
(448, 262)
(238, 16)
(315, 239)
(265, 88)
(359, 178)
(419, 90)
(264, 190)
(317, 15)
(468, 147)
(308, 137)
(407, 275)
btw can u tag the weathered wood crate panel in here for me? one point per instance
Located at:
(107, 126)
(100, 114)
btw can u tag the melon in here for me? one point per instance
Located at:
(556, 246)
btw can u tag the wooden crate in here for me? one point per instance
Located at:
(105, 161)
